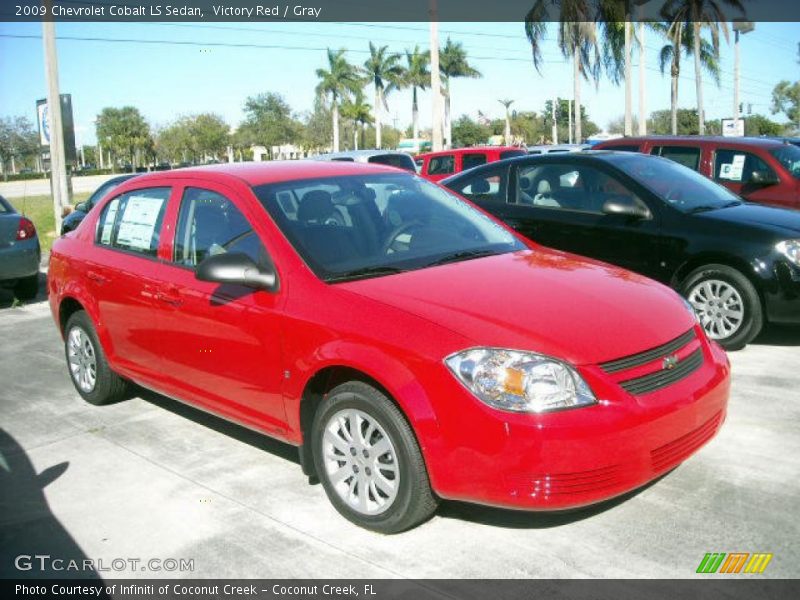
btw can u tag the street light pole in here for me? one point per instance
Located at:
(642, 84)
(58, 162)
(738, 27)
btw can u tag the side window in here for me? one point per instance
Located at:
(736, 166)
(210, 224)
(472, 160)
(571, 187)
(441, 165)
(683, 155)
(132, 221)
(489, 184)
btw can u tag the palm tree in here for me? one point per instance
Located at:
(386, 74)
(695, 15)
(577, 39)
(452, 64)
(507, 103)
(358, 111)
(339, 81)
(680, 42)
(416, 76)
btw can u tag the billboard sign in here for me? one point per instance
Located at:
(68, 126)
(733, 127)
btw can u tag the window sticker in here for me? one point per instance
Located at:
(108, 222)
(733, 170)
(139, 222)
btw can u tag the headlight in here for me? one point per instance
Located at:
(790, 249)
(520, 381)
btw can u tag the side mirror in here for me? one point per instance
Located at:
(237, 269)
(616, 207)
(82, 207)
(763, 178)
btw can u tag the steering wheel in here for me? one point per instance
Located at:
(402, 228)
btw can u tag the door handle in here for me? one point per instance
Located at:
(169, 296)
(97, 277)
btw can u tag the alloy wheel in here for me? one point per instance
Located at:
(719, 307)
(82, 359)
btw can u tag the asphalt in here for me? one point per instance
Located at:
(151, 478)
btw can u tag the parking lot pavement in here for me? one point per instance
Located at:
(41, 187)
(152, 478)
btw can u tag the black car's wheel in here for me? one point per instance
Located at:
(27, 288)
(726, 303)
(92, 377)
(369, 462)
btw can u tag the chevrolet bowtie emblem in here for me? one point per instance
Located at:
(670, 362)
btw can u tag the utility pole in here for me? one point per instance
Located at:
(642, 83)
(58, 162)
(436, 83)
(553, 116)
(738, 27)
(628, 86)
(570, 121)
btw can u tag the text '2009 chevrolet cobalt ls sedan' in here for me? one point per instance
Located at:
(410, 345)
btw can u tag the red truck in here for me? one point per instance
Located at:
(764, 170)
(438, 165)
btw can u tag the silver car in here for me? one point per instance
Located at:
(391, 158)
(555, 148)
(20, 252)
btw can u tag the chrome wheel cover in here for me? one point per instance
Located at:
(719, 307)
(360, 461)
(82, 359)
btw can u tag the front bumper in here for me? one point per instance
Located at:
(19, 260)
(582, 456)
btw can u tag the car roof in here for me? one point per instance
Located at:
(360, 154)
(471, 149)
(703, 139)
(259, 173)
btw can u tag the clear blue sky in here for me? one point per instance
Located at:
(165, 81)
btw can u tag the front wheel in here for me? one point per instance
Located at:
(726, 303)
(369, 462)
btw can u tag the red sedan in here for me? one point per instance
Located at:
(411, 346)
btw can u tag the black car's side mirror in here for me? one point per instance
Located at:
(82, 207)
(763, 178)
(237, 269)
(616, 207)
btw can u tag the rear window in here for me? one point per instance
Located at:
(683, 155)
(469, 161)
(342, 159)
(511, 153)
(399, 161)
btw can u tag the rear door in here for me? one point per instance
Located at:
(221, 344)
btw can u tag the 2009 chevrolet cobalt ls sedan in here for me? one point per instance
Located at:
(410, 345)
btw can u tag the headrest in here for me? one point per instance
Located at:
(480, 187)
(366, 193)
(543, 187)
(525, 183)
(315, 205)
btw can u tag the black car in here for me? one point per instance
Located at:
(73, 219)
(737, 263)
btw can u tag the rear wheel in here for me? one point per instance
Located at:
(369, 462)
(92, 377)
(726, 303)
(27, 288)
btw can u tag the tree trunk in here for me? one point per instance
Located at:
(508, 129)
(642, 83)
(415, 112)
(628, 86)
(13, 166)
(335, 118)
(448, 126)
(576, 56)
(698, 80)
(377, 112)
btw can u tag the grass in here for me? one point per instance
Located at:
(39, 209)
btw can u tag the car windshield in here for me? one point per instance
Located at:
(100, 192)
(789, 156)
(679, 186)
(360, 226)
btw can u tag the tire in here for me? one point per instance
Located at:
(719, 293)
(84, 356)
(27, 288)
(399, 494)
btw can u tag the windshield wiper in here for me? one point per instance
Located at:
(365, 272)
(462, 255)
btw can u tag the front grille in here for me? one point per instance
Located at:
(664, 377)
(677, 450)
(637, 360)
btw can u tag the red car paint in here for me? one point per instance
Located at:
(784, 192)
(436, 166)
(250, 359)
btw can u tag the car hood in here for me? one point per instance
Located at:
(779, 220)
(541, 300)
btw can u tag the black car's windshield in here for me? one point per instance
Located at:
(789, 156)
(104, 189)
(679, 186)
(362, 226)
